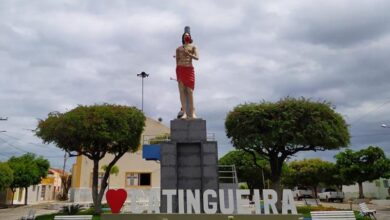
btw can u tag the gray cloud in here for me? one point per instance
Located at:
(56, 55)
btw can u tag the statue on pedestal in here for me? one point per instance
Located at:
(186, 75)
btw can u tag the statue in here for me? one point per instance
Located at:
(186, 75)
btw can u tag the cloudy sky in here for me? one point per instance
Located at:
(55, 55)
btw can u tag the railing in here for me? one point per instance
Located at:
(146, 139)
(227, 174)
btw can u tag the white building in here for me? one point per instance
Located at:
(377, 189)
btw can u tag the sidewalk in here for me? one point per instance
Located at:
(18, 212)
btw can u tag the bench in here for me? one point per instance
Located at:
(73, 217)
(365, 211)
(328, 215)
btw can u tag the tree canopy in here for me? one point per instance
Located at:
(94, 131)
(281, 129)
(6, 176)
(28, 170)
(366, 164)
(310, 173)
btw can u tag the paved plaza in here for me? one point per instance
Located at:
(18, 212)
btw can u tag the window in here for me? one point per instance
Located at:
(43, 192)
(138, 179)
(386, 183)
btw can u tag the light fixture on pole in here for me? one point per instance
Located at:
(143, 75)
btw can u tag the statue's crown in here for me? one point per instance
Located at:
(187, 29)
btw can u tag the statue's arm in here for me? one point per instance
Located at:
(177, 56)
(195, 54)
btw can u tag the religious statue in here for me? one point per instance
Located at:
(186, 75)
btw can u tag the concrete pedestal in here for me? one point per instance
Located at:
(188, 161)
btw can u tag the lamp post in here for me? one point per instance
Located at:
(143, 75)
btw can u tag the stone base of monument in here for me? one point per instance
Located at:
(188, 161)
(197, 217)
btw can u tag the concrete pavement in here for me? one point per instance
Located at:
(383, 212)
(21, 211)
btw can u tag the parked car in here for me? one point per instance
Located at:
(329, 194)
(302, 192)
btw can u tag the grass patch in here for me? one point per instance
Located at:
(83, 212)
(45, 217)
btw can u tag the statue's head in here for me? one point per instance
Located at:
(186, 37)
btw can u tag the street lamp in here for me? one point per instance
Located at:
(143, 75)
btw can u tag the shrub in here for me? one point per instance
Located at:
(71, 209)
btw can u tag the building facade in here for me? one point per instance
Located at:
(377, 189)
(134, 172)
(47, 190)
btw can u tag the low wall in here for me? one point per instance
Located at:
(381, 202)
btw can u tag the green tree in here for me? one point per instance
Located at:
(279, 130)
(309, 172)
(6, 176)
(66, 181)
(364, 165)
(252, 170)
(114, 171)
(160, 138)
(28, 170)
(94, 131)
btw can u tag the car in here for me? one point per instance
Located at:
(330, 194)
(302, 192)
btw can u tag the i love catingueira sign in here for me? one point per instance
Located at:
(226, 201)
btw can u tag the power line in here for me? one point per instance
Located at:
(369, 135)
(14, 146)
(372, 110)
(19, 139)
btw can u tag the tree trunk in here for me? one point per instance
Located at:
(98, 193)
(361, 195)
(251, 191)
(95, 179)
(276, 172)
(26, 196)
(315, 191)
(13, 195)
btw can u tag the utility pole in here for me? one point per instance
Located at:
(143, 75)
(63, 168)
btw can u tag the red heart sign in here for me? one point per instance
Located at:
(115, 199)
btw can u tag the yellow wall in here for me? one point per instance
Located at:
(130, 162)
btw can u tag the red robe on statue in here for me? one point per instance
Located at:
(186, 75)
